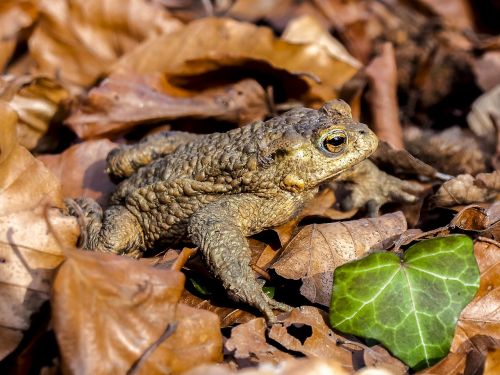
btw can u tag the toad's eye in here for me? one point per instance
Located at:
(334, 142)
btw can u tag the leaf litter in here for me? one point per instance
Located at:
(80, 77)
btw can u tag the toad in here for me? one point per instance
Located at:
(215, 190)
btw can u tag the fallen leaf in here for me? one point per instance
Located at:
(475, 218)
(248, 342)
(305, 331)
(484, 112)
(457, 13)
(382, 97)
(308, 30)
(377, 357)
(228, 316)
(314, 253)
(465, 189)
(78, 40)
(453, 151)
(487, 70)
(106, 306)
(210, 44)
(29, 250)
(81, 170)
(16, 16)
(37, 100)
(482, 315)
(397, 162)
(124, 101)
(492, 365)
(419, 296)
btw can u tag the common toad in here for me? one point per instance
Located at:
(216, 189)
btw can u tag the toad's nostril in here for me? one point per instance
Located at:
(362, 131)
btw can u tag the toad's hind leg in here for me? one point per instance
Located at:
(126, 160)
(116, 230)
(216, 230)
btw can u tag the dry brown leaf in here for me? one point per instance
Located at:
(15, 17)
(123, 101)
(455, 12)
(36, 100)
(465, 189)
(277, 14)
(29, 252)
(81, 170)
(487, 70)
(305, 330)
(378, 357)
(400, 162)
(111, 307)
(382, 97)
(482, 314)
(485, 111)
(314, 253)
(308, 30)
(492, 365)
(78, 40)
(453, 151)
(228, 315)
(211, 44)
(248, 342)
(475, 218)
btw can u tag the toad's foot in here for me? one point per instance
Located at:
(217, 231)
(117, 231)
(89, 213)
(367, 186)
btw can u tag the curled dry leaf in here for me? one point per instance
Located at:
(97, 295)
(78, 40)
(302, 366)
(482, 315)
(314, 253)
(465, 189)
(36, 100)
(483, 115)
(453, 151)
(125, 100)
(248, 341)
(475, 218)
(400, 162)
(487, 70)
(308, 30)
(305, 331)
(455, 12)
(209, 44)
(81, 170)
(492, 365)
(29, 251)
(15, 17)
(382, 97)
(228, 315)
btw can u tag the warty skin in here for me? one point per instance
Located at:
(217, 189)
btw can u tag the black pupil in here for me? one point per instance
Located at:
(337, 140)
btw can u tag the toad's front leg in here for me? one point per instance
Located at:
(219, 231)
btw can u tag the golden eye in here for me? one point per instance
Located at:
(334, 142)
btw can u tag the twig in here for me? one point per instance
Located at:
(183, 257)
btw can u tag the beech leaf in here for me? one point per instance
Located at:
(410, 305)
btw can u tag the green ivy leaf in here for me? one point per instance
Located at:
(410, 305)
